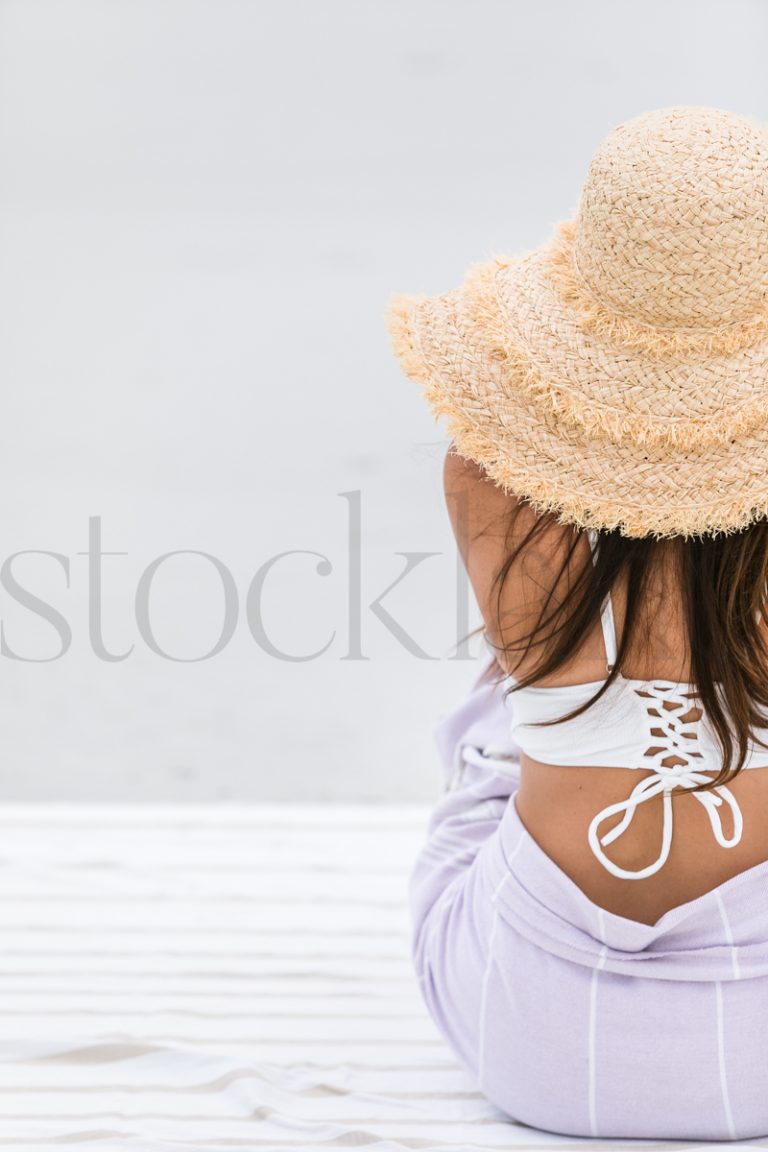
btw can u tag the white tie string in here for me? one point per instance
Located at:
(664, 780)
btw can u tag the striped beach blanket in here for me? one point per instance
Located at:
(223, 977)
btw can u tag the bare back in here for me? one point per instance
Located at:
(556, 803)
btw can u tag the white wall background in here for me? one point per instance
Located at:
(204, 205)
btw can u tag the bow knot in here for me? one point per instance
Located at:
(663, 781)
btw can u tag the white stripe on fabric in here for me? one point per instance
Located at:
(436, 914)
(728, 935)
(592, 1087)
(484, 991)
(489, 964)
(721, 1060)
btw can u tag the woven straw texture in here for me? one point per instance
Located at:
(617, 376)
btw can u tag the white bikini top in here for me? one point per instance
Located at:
(635, 724)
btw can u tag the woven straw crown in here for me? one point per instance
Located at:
(617, 376)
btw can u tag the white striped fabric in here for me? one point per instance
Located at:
(223, 977)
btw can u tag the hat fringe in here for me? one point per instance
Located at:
(569, 405)
(472, 441)
(403, 336)
(599, 321)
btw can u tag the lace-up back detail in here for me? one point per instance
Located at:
(653, 725)
(674, 724)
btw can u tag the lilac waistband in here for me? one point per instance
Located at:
(722, 935)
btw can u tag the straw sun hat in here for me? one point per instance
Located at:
(617, 375)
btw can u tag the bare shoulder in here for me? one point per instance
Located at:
(489, 524)
(481, 510)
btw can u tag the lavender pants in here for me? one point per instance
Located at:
(568, 1017)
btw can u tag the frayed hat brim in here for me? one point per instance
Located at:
(589, 420)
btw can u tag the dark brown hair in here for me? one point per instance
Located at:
(724, 583)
